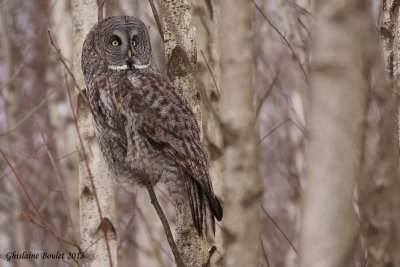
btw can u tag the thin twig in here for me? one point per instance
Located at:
(165, 224)
(62, 60)
(285, 40)
(305, 28)
(29, 217)
(211, 73)
(58, 173)
(35, 207)
(274, 129)
(27, 116)
(154, 243)
(280, 230)
(157, 19)
(267, 93)
(228, 133)
(13, 76)
(264, 252)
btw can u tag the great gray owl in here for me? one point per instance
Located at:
(144, 125)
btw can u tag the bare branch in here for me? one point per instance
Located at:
(27, 116)
(274, 129)
(210, 71)
(61, 59)
(157, 18)
(280, 230)
(165, 224)
(267, 93)
(57, 172)
(285, 41)
(264, 252)
(34, 206)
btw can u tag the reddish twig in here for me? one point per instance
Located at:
(264, 252)
(274, 129)
(27, 116)
(58, 174)
(153, 240)
(62, 60)
(35, 207)
(285, 41)
(280, 230)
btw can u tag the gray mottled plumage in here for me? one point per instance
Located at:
(145, 127)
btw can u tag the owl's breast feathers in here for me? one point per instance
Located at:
(168, 123)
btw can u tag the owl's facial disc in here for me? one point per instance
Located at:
(128, 48)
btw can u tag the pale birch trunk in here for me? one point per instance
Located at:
(335, 118)
(241, 182)
(206, 20)
(390, 31)
(380, 186)
(180, 46)
(96, 188)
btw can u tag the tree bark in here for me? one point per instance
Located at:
(379, 198)
(241, 182)
(180, 34)
(205, 20)
(390, 31)
(96, 188)
(180, 51)
(335, 115)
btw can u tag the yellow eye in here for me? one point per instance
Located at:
(115, 43)
(134, 41)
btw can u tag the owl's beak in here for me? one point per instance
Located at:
(129, 53)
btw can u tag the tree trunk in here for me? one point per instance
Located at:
(205, 19)
(336, 104)
(180, 50)
(96, 188)
(241, 182)
(379, 197)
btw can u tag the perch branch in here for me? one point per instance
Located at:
(165, 224)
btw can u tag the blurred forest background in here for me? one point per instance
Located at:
(39, 196)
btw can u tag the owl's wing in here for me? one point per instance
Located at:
(171, 126)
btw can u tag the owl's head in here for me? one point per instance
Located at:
(122, 41)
